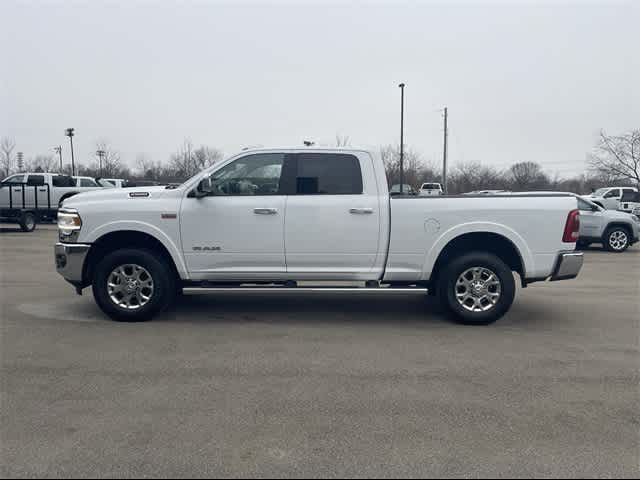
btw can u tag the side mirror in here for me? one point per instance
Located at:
(204, 188)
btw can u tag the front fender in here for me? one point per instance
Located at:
(143, 227)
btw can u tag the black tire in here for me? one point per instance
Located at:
(163, 278)
(616, 239)
(28, 222)
(447, 288)
(580, 245)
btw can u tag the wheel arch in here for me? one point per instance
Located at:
(492, 242)
(615, 224)
(116, 240)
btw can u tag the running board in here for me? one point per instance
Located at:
(279, 289)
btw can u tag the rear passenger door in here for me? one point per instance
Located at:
(36, 191)
(332, 221)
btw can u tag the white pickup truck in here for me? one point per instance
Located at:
(26, 198)
(310, 219)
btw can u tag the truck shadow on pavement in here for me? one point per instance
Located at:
(224, 308)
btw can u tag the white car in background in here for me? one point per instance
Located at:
(430, 189)
(85, 182)
(112, 182)
(609, 197)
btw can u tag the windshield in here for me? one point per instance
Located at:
(600, 192)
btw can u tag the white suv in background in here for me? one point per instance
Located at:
(430, 189)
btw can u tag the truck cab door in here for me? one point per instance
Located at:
(236, 231)
(333, 224)
(612, 199)
(36, 192)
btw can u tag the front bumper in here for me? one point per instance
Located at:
(567, 266)
(69, 259)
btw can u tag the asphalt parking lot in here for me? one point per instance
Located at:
(318, 386)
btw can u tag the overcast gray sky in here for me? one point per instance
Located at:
(523, 81)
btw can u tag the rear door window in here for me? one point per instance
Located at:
(34, 180)
(327, 174)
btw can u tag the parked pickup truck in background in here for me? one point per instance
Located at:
(609, 197)
(25, 198)
(268, 219)
(630, 202)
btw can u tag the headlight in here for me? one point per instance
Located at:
(69, 225)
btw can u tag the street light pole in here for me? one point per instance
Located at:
(69, 133)
(401, 138)
(58, 150)
(101, 154)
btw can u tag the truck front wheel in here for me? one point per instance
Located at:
(133, 285)
(476, 288)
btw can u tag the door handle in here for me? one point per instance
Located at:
(361, 211)
(265, 211)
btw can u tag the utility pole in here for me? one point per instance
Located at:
(58, 150)
(444, 152)
(401, 138)
(69, 133)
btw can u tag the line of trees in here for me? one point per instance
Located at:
(615, 159)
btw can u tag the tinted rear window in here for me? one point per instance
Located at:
(328, 174)
(35, 180)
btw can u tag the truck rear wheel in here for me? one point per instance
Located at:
(132, 285)
(28, 222)
(476, 288)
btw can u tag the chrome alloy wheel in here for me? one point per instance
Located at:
(478, 289)
(618, 240)
(130, 286)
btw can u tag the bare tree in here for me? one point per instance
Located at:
(188, 161)
(527, 176)
(204, 157)
(111, 163)
(6, 151)
(41, 163)
(617, 156)
(390, 155)
(467, 177)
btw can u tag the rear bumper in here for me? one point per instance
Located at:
(69, 259)
(567, 266)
